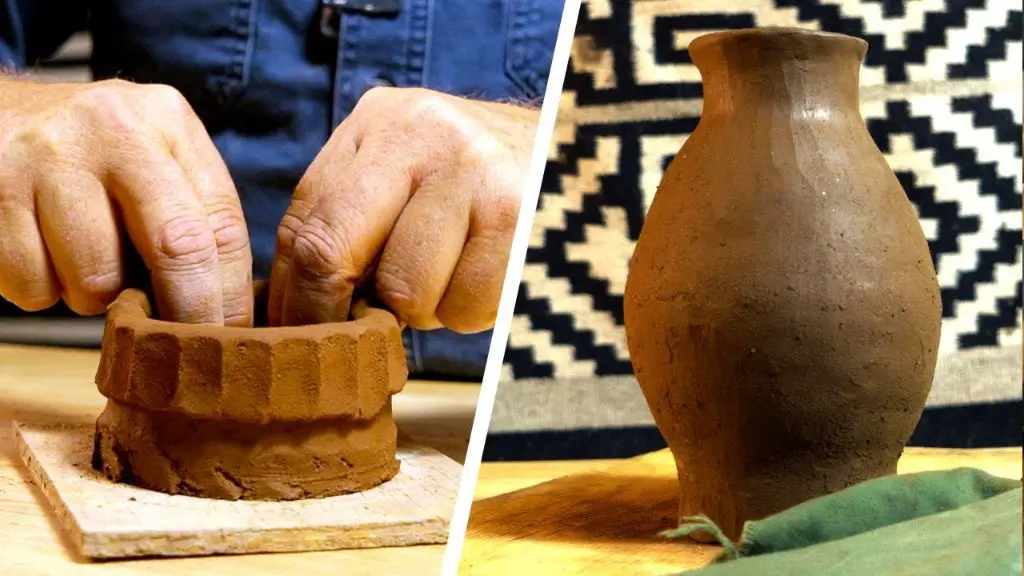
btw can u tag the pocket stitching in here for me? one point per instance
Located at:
(228, 86)
(518, 47)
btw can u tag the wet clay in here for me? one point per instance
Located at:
(276, 413)
(782, 311)
(178, 454)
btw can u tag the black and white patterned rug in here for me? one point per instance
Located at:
(941, 95)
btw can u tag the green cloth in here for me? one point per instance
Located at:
(948, 523)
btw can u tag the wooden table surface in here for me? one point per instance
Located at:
(602, 517)
(569, 517)
(53, 384)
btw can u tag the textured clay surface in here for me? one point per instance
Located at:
(252, 413)
(345, 370)
(229, 460)
(782, 311)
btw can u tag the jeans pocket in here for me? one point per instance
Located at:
(532, 33)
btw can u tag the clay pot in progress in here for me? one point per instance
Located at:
(782, 311)
(277, 413)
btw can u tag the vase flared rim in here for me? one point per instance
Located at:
(772, 32)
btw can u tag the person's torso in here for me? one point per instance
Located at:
(272, 78)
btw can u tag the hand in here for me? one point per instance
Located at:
(77, 161)
(419, 191)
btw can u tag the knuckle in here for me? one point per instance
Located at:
(460, 142)
(14, 195)
(100, 285)
(287, 231)
(90, 295)
(168, 99)
(376, 99)
(45, 141)
(319, 250)
(107, 104)
(379, 94)
(185, 243)
(229, 230)
(503, 214)
(484, 151)
(238, 309)
(432, 106)
(438, 114)
(396, 286)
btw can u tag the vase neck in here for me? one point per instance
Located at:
(808, 74)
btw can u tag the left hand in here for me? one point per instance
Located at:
(418, 191)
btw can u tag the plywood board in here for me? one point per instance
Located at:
(108, 520)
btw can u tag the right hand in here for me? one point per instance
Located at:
(78, 161)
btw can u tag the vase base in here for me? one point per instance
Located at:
(757, 497)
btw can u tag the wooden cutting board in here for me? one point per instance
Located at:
(50, 385)
(106, 520)
(605, 521)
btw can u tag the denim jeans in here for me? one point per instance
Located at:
(271, 79)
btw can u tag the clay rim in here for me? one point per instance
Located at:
(132, 306)
(173, 381)
(777, 33)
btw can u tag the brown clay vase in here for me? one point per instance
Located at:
(782, 311)
(277, 413)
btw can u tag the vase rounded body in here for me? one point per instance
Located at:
(782, 311)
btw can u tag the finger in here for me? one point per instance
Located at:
(80, 228)
(423, 250)
(356, 208)
(301, 205)
(170, 229)
(322, 176)
(211, 181)
(470, 303)
(26, 278)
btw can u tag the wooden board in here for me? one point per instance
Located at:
(605, 520)
(50, 385)
(108, 520)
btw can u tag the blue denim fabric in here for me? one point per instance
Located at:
(270, 87)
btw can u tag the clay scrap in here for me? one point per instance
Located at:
(279, 413)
